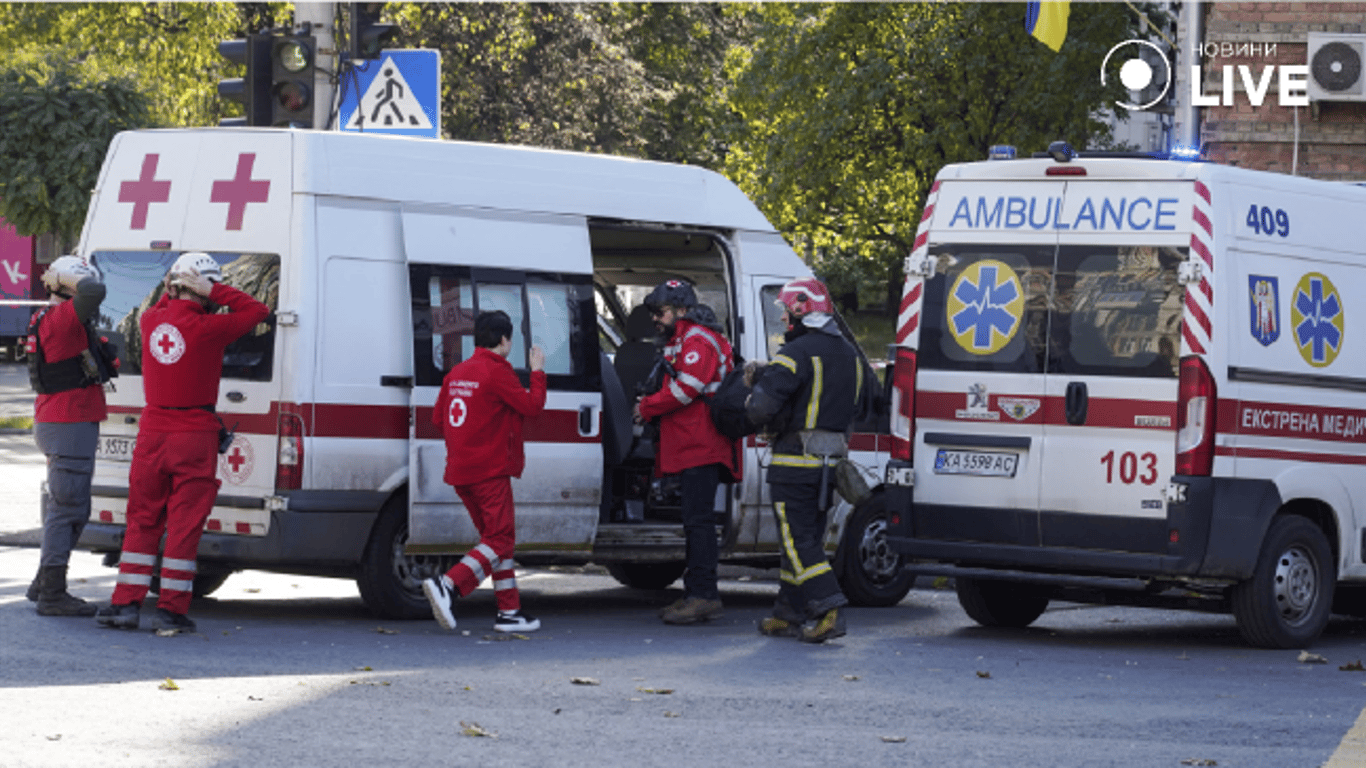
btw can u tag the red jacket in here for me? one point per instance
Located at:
(63, 337)
(182, 356)
(480, 410)
(701, 358)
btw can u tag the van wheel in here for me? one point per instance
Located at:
(1287, 601)
(646, 575)
(871, 572)
(390, 581)
(1000, 603)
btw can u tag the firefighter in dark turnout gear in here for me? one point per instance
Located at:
(806, 400)
(67, 368)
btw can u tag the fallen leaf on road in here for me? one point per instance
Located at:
(584, 681)
(894, 739)
(982, 674)
(663, 691)
(475, 729)
(670, 714)
(384, 631)
(505, 636)
(555, 711)
(851, 678)
(253, 698)
(1312, 658)
(252, 590)
(1353, 666)
(55, 737)
(1199, 761)
(167, 632)
(365, 668)
(169, 685)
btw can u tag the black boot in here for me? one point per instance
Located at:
(54, 600)
(35, 587)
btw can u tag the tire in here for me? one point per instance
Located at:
(871, 574)
(646, 575)
(1000, 603)
(390, 582)
(1287, 601)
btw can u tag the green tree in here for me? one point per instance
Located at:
(642, 80)
(168, 49)
(849, 110)
(56, 121)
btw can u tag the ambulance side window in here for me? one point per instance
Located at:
(774, 327)
(133, 282)
(1116, 310)
(556, 311)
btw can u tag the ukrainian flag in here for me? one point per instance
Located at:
(1047, 21)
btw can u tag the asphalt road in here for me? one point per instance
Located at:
(290, 671)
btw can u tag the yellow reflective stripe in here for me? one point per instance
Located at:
(801, 575)
(786, 362)
(813, 407)
(792, 460)
(812, 572)
(858, 378)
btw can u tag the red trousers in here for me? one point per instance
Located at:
(490, 506)
(172, 485)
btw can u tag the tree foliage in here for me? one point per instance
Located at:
(56, 121)
(168, 49)
(642, 80)
(848, 110)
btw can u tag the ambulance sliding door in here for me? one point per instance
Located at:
(1114, 339)
(537, 268)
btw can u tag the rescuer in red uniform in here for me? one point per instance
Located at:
(67, 368)
(689, 444)
(172, 482)
(480, 410)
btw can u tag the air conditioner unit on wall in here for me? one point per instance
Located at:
(1337, 67)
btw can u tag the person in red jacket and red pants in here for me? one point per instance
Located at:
(172, 483)
(689, 444)
(480, 410)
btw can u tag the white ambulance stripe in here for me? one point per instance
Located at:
(137, 558)
(176, 585)
(178, 565)
(143, 579)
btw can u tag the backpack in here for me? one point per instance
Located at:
(728, 406)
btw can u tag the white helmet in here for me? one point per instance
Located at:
(200, 263)
(66, 271)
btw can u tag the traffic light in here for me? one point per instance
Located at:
(291, 87)
(368, 36)
(253, 90)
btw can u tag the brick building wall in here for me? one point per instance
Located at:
(1332, 135)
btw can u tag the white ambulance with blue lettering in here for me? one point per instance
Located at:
(374, 254)
(1135, 381)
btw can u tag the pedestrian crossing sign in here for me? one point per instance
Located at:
(398, 93)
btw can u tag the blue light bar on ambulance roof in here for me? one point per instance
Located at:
(1184, 153)
(1001, 152)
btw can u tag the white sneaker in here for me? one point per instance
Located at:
(439, 596)
(515, 622)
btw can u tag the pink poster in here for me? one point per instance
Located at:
(16, 263)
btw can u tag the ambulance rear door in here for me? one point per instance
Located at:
(163, 193)
(1114, 336)
(980, 379)
(537, 268)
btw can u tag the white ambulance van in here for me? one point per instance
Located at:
(1135, 381)
(375, 253)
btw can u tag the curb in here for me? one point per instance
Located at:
(15, 431)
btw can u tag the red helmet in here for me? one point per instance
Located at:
(805, 295)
